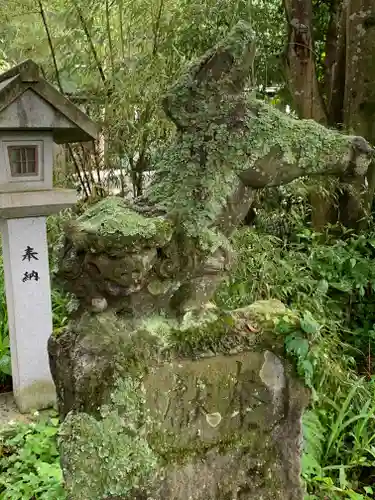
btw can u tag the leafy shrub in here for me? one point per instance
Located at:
(5, 364)
(334, 279)
(329, 283)
(339, 451)
(29, 461)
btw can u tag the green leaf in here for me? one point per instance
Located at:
(307, 369)
(308, 324)
(323, 286)
(284, 326)
(343, 286)
(229, 320)
(310, 465)
(342, 478)
(5, 364)
(297, 346)
(49, 470)
(355, 496)
(5, 342)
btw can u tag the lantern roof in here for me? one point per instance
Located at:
(28, 102)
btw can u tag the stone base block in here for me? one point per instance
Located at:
(202, 410)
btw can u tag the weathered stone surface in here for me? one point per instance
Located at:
(164, 396)
(145, 420)
(170, 250)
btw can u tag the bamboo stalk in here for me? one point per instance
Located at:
(58, 79)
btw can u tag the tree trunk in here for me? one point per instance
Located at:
(300, 61)
(304, 87)
(359, 97)
(348, 90)
(335, 62)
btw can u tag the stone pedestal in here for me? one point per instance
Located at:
(203, 409)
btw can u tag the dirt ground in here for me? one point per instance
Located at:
(9, 411)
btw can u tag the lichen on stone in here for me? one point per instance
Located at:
(321, 150)
(112, 223)
(227, 144)
(193, 183)
(110, 455)
(195, 94)
(167, 411)
(156, 265)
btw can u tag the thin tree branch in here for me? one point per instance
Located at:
(121, 30)
(91, 43)
(58, 79)
(50, 44)
(157, 28)
(110, 44)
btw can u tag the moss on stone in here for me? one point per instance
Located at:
(110, 455)
(129, 441)
(322, 148)
(169, 450)
(111, 223)
(160, 415)
(228, 144)
(187, 101)
(197, 334)
(225, 133)
(123, 451)
(144, 402)
(195, 193)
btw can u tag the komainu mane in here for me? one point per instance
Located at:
(169, 250)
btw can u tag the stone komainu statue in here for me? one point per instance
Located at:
(169, 250)
(163, 397)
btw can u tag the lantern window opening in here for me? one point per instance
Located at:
(23, 160)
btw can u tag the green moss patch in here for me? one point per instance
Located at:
(110, 456)
(111, 223)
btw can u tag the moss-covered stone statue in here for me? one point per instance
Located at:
(164, 396)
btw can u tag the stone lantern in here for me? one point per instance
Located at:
(33, 116)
